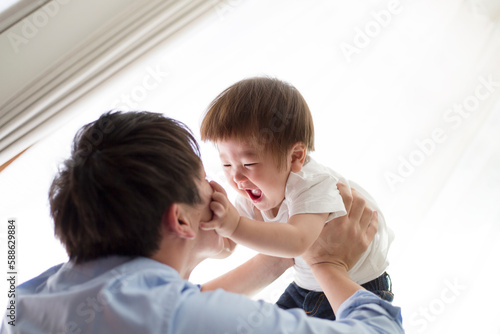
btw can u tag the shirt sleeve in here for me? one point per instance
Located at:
(314, 194)
(223, 312)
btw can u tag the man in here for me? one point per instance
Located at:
(127, 206)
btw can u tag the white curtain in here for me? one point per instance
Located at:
(64, 49)
(405, 100)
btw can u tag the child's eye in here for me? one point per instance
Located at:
(226, 165)
(248, 165)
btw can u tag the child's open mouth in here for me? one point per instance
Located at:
(255, 194)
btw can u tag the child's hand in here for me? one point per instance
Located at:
(226, 218)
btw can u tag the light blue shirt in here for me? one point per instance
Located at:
(140, 295)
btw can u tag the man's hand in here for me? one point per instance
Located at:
(226, 218)
(345, 238)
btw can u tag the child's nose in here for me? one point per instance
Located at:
(238, 176)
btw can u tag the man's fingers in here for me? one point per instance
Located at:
(358, 205)
(371, 230)
(345, 192)
(366, 218)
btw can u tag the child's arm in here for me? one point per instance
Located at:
(276, 239)
(289, 239)
(252, 276)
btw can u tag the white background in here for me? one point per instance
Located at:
(376, 111)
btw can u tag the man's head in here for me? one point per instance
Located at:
(125, 171)
(263, 129)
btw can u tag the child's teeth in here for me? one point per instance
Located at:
(256, 192)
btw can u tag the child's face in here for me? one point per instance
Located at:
(254, 173)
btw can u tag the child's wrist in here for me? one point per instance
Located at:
(235, 227)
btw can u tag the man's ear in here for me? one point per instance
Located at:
(298, 154)
(174, 221)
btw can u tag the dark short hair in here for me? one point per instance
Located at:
(269, 110)
(125, 170)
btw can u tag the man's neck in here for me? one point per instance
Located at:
(178, 256)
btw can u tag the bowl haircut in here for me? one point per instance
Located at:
(269, 112)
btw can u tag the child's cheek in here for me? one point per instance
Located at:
(229, 179)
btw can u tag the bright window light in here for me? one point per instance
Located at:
(407, 107)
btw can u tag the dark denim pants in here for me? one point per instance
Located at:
(315, 303)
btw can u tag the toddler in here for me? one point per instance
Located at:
(263, 130)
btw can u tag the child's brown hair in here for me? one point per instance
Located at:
(264, 109)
